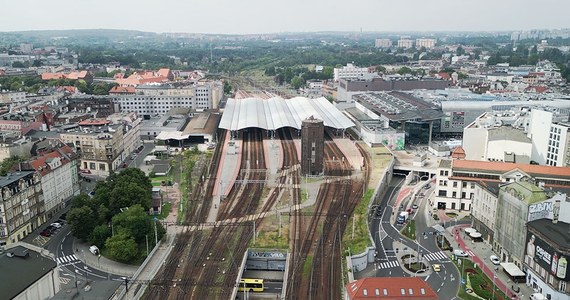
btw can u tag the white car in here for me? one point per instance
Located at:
(460, 253)
(94, 249)
(495, 259)
(56, 225)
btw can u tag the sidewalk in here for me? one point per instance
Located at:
(482, 253)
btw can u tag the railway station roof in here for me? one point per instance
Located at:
(275, 113)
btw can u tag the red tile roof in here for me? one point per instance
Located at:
(122, 90)
(94, 122)
(390, 288)
(458, 153)
(40, 163)
(505, 167)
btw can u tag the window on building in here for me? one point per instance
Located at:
(442, 193)
(463, 194)
(92, 166)
(454, 194)
(455, 184)
(464, 184)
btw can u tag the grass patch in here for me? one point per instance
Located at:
(410, 230)
(360, 241)
(165, 210)
(268, 234)
(307, 266)
(451, 215)
(478, 282)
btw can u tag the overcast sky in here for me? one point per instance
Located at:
(267, 16)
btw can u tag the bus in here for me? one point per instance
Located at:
(250, 285)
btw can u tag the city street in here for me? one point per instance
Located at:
(390, 243)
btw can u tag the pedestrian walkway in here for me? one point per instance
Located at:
(436, 256)
(388, 264)
(66, 260)
(479, 253)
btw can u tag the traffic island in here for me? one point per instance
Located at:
(411, 263)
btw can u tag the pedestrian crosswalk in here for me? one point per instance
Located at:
(440, 256)
(388, 264)
(435, 256)
(66, 259)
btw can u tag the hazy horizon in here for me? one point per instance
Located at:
(294, 16)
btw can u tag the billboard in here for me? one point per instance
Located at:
(541, 210)
(554, 262)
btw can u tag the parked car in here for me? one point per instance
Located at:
(45, 233)
(63, 216)
(460, 253)
(56, 225)
(495, 259)
(415, 206)
(94, 249)
(436, 267)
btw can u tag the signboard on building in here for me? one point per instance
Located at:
(554, 262)
(541, 210)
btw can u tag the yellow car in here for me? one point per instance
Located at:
(436, 267)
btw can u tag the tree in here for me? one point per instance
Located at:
(297, 82)
(135, 222)
(270, 71)
(381, 69)
(405, 70)
(37, 63)
(227, 88)
(8, 163)
(460, 51)
(18, 64)
(99, 235)
(122, 248)
(82, 221)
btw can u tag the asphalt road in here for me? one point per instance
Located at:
(445, 282)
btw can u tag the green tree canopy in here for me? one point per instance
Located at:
(82, 221)
(122, 247)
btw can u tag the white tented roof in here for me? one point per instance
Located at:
(275, 113)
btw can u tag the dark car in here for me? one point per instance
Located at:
(45, 233)
(63, 216)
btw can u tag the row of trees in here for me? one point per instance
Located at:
(32, 84)
(115, 219)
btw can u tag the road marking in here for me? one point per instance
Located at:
(427, 278)
(435, 256)
(388, 264)
(66, 259)
(64, 280)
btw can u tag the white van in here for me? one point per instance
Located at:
(537, 296)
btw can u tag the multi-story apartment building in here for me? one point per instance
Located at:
(456, 180)
(550, 140)
(100, 147)
(21, 206)
(97, 106)
(351, 71)
(382, 43)
(427, 43)
(547, 251)
(58, 167)
(484, 208)
(487, 139)
(17, 127)
(513, 210)
(7, 97)
(132, 127)
(405, 43)
(152, 101)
